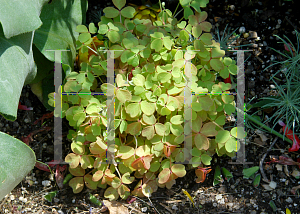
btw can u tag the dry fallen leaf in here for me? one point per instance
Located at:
(258, 141)
(278, 167)
(115, 207)
(296, 173)
(271, 186)
(263, 137)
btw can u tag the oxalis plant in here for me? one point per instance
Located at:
(155, 63)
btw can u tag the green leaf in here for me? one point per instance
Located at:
(60, 36)
(113, 36)
(123, 95)
(229, 108)
(256, 180)
(148, 132)
(206, 159)
(126, 179)
(134, 128)
(177, 119)
(50, 196)
(157, 44)
(111, 194)
(128, 12)
(250, 171)
(227, 174)
(187, 12)
(206, 38)
(238, 132)
(222, 136)
(184, 2)
(123, 126)
(176, 129)
(201, 142)
(81, 29)
(209, 129)
(13, 166)
(16, 69)
(196, 5)
(164, 176)
(133, 109)
(147, 108)
(139, 80)
(216, 64)
(92, 28)
(232, 145)
(119, 3)
(110, 12)
(233, 69)
(77, 184)
(160, 129)
(26, 17)
(103, 29)
(182, 24)
(79, 117)
(167, 43)
(164, 77)
(178, 170)
(217, 176)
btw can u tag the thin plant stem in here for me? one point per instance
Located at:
(264, 126)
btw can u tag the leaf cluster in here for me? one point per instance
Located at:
(155, 64)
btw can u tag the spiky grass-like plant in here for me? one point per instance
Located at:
(227, 39)
(291, 65)
(287, 103)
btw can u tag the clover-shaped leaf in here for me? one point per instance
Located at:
(126, 179)
(111, 193)
(110, 12)
(88, 180)
(119, 3)
(148, 132)
(123, 95)
(128, 12)
(232, 145)
(178, 170)
(164, 176)
(147, 108)
(97, 175)
(177, 119)
(238, 132)
(77, 184)
(222, 136)
(73, 160)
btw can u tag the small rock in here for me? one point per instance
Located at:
(174, 207)
(222, 189)
(218, 197)
(251, 84)
(253, 212)
(289, 200)
(242, 30)
(215, 204)
(24, 200)
(46, 183)
(15, 124)
(144, 209)
(230, 204)
(222, 201)
(12, 197)
(27, 120)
